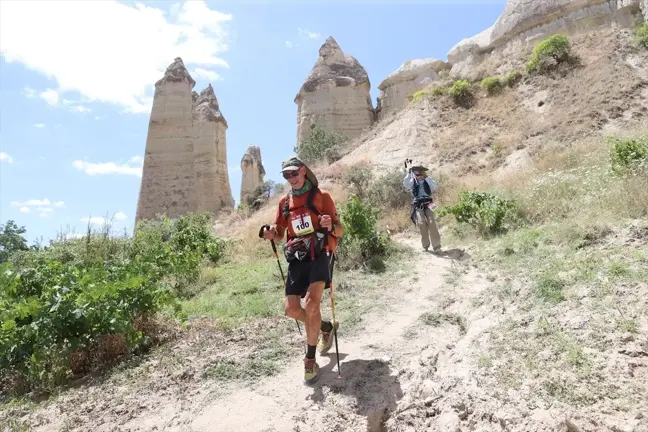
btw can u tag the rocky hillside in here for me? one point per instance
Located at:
(607, 90)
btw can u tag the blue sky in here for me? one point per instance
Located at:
(76, 92)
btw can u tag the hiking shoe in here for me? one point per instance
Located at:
(437, 250)
(311, 371)
(326, 340)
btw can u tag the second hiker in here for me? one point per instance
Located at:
(309, 217)
(421, 186)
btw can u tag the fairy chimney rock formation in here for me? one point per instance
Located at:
(211, 180)
(335, 95)
(410, 77)
(185, 166)
(252, 172)
(527, 21)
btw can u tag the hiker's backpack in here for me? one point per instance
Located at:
(309, 202)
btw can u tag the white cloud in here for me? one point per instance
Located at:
(45, 209)
(81, 108)
(29, 92)
(4, 157)
(117, 52)
(25, 210)
(208, 75)
(32, 203)
(59, 204)
(39, 125)
(289, 44)
(50, 96)
(99, 220)
(96, 220)
(308, 34)
(132, 167)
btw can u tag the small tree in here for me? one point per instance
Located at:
(512, 78)
(11, 240)
(320, 145)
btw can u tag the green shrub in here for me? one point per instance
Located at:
(555, 48)
(321, 145)
(512, 78)
(628, 155)
(79, 304)
(461, 92)
(418, 95)
(485, 212)
(384, 192)
(492, 85)
(642, 35)
(439, 90)
(362, 243)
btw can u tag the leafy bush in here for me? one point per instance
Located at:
(485, 212)
(439, 90)
(418, 95)
(262, 194)
(628, 154)
(555, 48)
(512, 78)
(384, 192)
(362, 243)
(492, 85)
(78, 304)
(320, 145)
(642, 35)
(461, 92)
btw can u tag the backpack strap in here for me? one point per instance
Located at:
(309, 202)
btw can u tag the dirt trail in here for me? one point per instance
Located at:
(396, 343)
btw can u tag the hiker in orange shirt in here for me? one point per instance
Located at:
(309, 217)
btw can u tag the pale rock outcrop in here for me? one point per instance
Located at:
(211, 180)
(185, 165)
(252, 172)
(335, 95)
(410, 77)
(526, 21)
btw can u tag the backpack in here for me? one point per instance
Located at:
(310, 246)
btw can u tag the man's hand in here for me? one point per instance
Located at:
(326, 222)
(269, 234)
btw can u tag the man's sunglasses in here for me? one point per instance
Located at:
(289, 174)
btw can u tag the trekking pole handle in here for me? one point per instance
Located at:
(272, 242)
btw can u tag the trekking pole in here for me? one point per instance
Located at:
(337, 351)
(274, 249)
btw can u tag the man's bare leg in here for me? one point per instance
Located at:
(313, 313)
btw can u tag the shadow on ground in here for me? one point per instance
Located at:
(376, 390)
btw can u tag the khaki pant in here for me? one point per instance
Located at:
(426, 222)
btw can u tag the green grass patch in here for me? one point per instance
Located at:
(239, 292)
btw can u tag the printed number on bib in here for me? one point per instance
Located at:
(432, 206)
(302, 225)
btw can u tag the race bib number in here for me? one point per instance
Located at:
(432, 206)
(302, 225)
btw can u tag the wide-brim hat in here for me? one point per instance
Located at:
(294, 163)
(419, 167)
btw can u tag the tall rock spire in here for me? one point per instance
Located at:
(252, 172)
(185, 162)
(335, 94)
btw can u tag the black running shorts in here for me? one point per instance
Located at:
(303, 273)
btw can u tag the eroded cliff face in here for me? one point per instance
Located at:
(410, 77)
(335, 95)
(252, 172)
(185, 161)
(527, 21)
